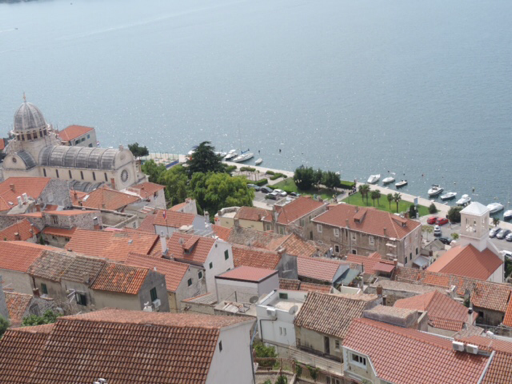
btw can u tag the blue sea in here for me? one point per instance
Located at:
(419, 88)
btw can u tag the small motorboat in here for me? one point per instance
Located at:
(449, 196)
(435, 190)
(464, 200)
(495, 207)
(221, 154)
(259, 161)
(373, 179)
(231, 154)
(507, 215)
(388, 180)
(401, 184)
(243, 157)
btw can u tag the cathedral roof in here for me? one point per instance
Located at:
(28, 118)
(78, 157)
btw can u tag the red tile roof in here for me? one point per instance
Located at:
(255, 257)
(405, 355)
(508, 315)
(372, 221)
(296, 246)
(124, 346)
(245, 273)
(2, 144)
(297, 285)
(467, 261)
(73, 132)
(331, 314)
(251, 237)
(23, 228)
(17, 305)
(114, 245)
(443, 312)
(198, 253)
(147, 224)
(109, 199)
(120, 278)
(178, 207)
(173, 271)
(254, 214)
(318, 269)
(32, 186)
(70, 212)
(294, 210)
(370, 263)
(174, 219)
(18, 255)
(62, 232)
(221, 232)
(147, 189)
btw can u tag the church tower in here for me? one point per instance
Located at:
(474, 226)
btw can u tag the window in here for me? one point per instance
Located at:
(336, 248)
(211, 265)
(359, 359)
(44, 172)
(55, 219)
(410, 256)
(70, 175)
(283, 296)
(189, 282)
(371, 240)
(281, 331)
(302, 222)
(337, 344)
(81, 299)
(153, 294)
(29, 136)
(336, 232)
(88, 136)
(200, 275)
(416, 250)
(44, 289)
(220, 346)
(226, 254)
(90, 145)
(94, 176)
(57, 173)
(82, 174)
(267, 227)
(319, 228)
(106, 177)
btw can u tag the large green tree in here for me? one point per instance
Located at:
(397, 197)
(304, 178)
(454, 214)
(331, 179)
(48, 317)
(205, 160)
(137, 150)
(153, 170)
(176, 182)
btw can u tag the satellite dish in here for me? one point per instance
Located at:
(293, 310)
(254, 299)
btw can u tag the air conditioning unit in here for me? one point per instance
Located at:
(157, 303)
(271, 312)
(458, 346)
(470, 348)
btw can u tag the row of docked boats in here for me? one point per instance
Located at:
(373, 179)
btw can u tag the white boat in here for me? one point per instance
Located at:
(507, 215)
(435, 190)
(373, 179)
(401, 184)
(221, 154)
(243, 157)
(259, 161)
(495, 207)
(388, 180)
(449, 196)
(464, 200)
(231, 154)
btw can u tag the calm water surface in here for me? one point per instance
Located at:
(368, 86)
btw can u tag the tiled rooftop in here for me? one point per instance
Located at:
(245, 273)
(370, 263)
(296, 246)
(174, 219)
(62, 232)
(109, 199)
(17, 304)
(23, 228)
(221, 232)
(508, 315)
(254, 214)
(120, 278)
(13, 187)
(19, 255)
(198, 252)
(255, 257)
(147, 189)
(73, 131)
(294, 210)
(253, 238)
(318, 269)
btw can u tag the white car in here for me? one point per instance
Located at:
(437, 231)
(280, 192)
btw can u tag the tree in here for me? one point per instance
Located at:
(204, 160)
(397, 197)
(304, 178)
(432, 208)
(318, 177)
(267, 353)
(331, 180)
(495, 221)
(413, 212)
(428, 229)
(454, 214)
(4, 324)
(375, 194)
(137, 150)
(282, 379)
(153, 170)
(455, 235)
(48, 317)
(390, 199)
(364, 190)
(176, 184)
(378, 196)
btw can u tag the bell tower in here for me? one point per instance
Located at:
(474, 226)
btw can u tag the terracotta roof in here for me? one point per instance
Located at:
(294, 210)
(83, 269)
(221, 232)
(246, 273)
(114, 245)
(255, 257)
(73, 131)
(178, 207)
(109, 199)
(198, 253)
(173, 271)
(254, 214)
(147, 189)
(332, 314)
(508, 315)
(442, 311)
(289, 284)
(372, 221)
(26, 254)
(17, 305)
(32, 186)
(174, 219)
(318, 269)
(297, 285)
(295, 246)
(493, 297)
(467, 261)
(2, 144)
(123, 346)
(369, 262)
(147, 224)
(120, 278)
(254, 238)
(51, 265)
(70, 212)
(76, 196)
(63, 232)
(23, 228)
(404, 355)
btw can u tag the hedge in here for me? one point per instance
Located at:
(247, 169)
(270, 173)
(230, 168)
(261, 183)
(277, 176)
(347, 184)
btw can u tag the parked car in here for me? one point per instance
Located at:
(265, 190)
(437, 231)
(442, 221)
(502, 234)
(294, 194)
(493, 232)
(509, 237)
(272, 196)
(432, 220)
(445, 240)
(254, 186)
(280, 192)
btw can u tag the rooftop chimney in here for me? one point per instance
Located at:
(96, 223)
(357, 209)
(36, 293)
(17, 236)
(379, 290)
(163, 243)
(24, 196)
(206, 219)
(12, 187)
(113, 183)
(20, 202)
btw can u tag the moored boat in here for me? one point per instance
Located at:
(401, 184)
(373, 179)
(243, 157)
(464, 200)
(435, 190)
(507, 215)
(449, 196)
(388, 180)
(495, 207)
(231, 154)
(259, 161)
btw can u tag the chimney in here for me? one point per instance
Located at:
(36, 293)
(206, 218)
(17, 236)
(395, 262)
(379, 290)
(163, 244)
(24, 197)
(103, 206)
(113, 183)
(20, 202)
(470, 319)
(385, 231)
(96, 223)
(12, 187)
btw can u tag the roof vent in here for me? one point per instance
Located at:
(458, 346)
(130, 241)
(12, 187)
(471, 348)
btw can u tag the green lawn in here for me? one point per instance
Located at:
(356, 199)
(288, 185)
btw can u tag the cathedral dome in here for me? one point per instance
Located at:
(28, 118)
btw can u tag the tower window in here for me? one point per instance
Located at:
(70, 174)
(44, 172)
(29, 136)
(94, 176)
(106, 177)
(82, 174)
(57, 173)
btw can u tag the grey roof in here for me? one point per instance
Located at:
(28, 117)
(78, 157)
(475, 209)
(27, 158)
(84, 186)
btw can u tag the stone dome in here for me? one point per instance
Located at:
(28, 118)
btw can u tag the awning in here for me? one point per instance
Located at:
(384, 267)
(422, 262)
(348, 276)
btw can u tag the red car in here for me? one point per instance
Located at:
(432, 220)
(442, 221)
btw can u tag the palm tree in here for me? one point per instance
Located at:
(495, 221)
(375, 195)
(378, 196)
(364, 190)
(390, 199)
(396, 198)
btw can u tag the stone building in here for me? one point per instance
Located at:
(78, 135)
